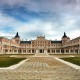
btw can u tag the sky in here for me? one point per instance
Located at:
(32, 18)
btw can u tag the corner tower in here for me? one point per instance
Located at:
(17, 38)
(65, 38)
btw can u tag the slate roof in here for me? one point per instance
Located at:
(17, 35)
(75, 38)
(64, 35)
(56, 42)
(25, 42)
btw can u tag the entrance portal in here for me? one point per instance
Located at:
(41, 51)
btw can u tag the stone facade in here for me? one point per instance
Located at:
(39, 45)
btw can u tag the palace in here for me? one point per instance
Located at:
(39, 45)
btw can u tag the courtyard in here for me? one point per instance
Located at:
(41, 67)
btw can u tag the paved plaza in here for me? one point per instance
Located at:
(41, 67)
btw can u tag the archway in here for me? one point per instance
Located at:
(40, 51)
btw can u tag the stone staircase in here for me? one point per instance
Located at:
(41, 55)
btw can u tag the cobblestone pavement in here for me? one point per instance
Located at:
(41, 68)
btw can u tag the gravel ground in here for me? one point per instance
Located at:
(41, 68)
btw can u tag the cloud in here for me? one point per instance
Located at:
(36, 27)
(51, 29)
(39, 17)
(7, 24)
(47, 9)
(74, 33)
(45, 5)
(26, 29)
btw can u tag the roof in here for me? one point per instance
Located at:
(2, 37)
(17, 35)
(25, 42)
(64, 35)
(76, 38)
(56, 42)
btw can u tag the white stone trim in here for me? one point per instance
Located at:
(68, 63)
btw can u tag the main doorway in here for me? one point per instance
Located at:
(41, 51)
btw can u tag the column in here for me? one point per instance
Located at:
(17, 51)
(31, 50)
(74, 52)
(26, 51)
(13, 51)
(22, 51)
(37, 51)
(60, 51)
(50, 51)
(55, 51)
(45, 51)
(78, 51)
(2, 50)
(69, 51)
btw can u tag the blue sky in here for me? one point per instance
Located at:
(40, 17)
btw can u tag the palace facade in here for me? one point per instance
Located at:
(39, 45)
